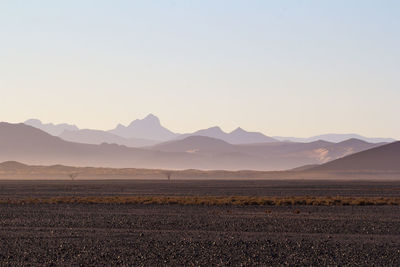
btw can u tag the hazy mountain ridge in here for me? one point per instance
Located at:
(149, 131)
(53, 129)
(19, 142)
(237, 136)
(144, 132)
(335, 138)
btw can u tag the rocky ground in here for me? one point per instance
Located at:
(174, 235)
(156, 235)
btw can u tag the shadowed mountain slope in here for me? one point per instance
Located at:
(383, 158)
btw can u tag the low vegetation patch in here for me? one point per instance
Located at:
(211, 200)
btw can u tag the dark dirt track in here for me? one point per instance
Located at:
(173, 235)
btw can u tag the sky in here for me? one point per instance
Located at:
(289, 68)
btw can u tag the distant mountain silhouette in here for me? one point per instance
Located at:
(144, 132)
(87, 136)
(214, 132)
(147, 128)
(19, 142)
(50, 128)
(238, 136)
(335, 138)
(149, 131)
(383, 158)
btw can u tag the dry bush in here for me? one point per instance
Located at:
(211, 200)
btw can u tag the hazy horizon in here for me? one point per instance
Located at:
(293, 68)
(208, 127)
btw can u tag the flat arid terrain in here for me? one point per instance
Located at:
(200, 133)
(83, 223)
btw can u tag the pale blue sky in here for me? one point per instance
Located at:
(296, 68)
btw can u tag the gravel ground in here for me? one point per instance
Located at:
(173, 235)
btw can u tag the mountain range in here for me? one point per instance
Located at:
(149, 131)
(23, 143)
(238, 136)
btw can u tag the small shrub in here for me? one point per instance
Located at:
(210, 200)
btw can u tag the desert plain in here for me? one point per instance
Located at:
(85, 223)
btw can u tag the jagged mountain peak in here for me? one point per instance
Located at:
(238, 130)
(149, 120)
(147, 128)
(151, 117)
